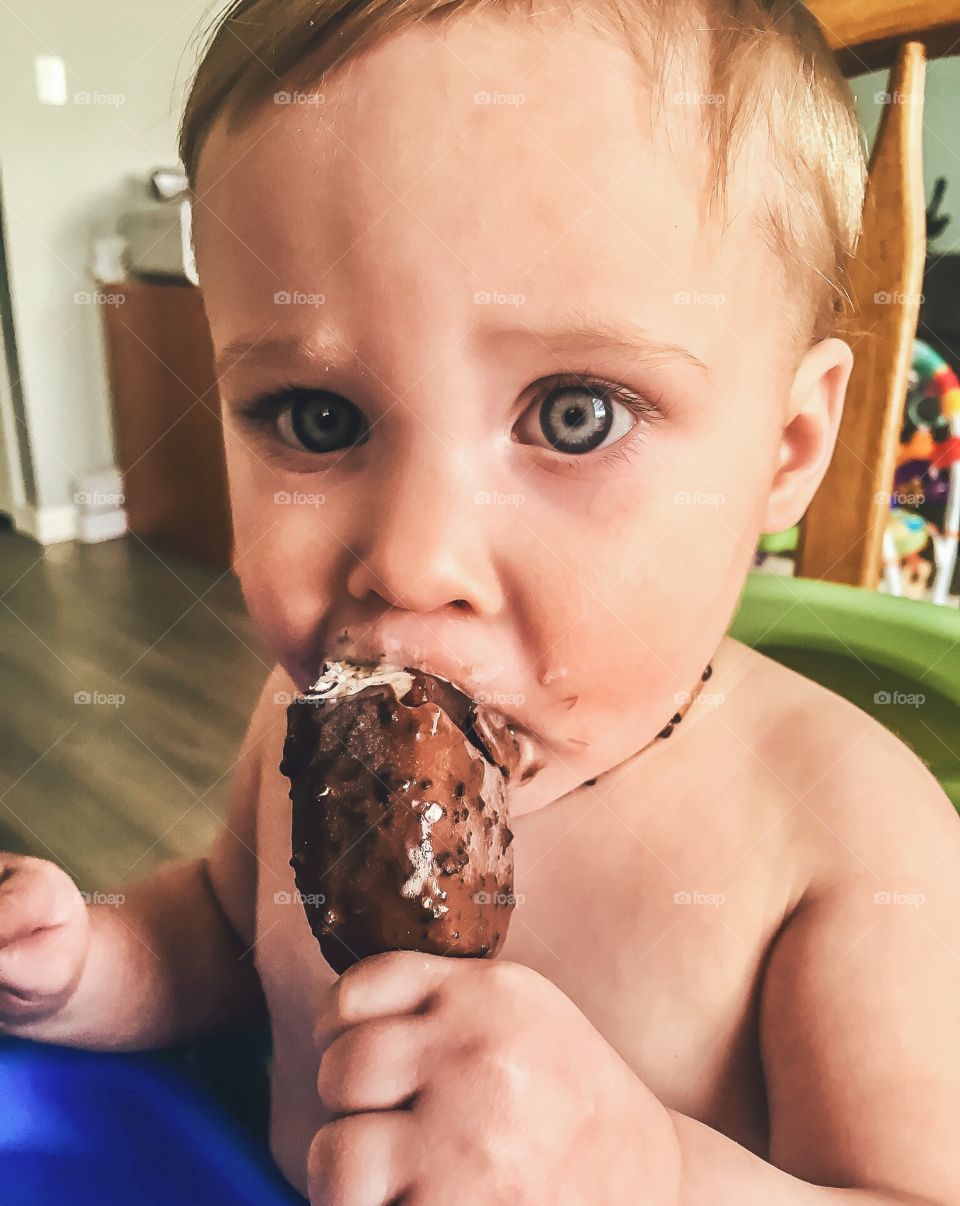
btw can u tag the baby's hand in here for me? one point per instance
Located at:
(478, 1081)
(44, 937)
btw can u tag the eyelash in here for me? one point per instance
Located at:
(264, 410)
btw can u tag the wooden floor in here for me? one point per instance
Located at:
(168, 659)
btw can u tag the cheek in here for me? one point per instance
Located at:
(631, 656)
(702, 523)
(596, 604)
(656, 588)
(253, 490)
(286, 554)
(286, 594)
(709, 521)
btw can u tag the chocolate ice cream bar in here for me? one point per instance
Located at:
(400, 836)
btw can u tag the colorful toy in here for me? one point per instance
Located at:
(904, 540)
(925, 502)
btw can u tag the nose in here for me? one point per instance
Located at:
(424, 542)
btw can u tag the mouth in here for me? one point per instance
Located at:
(382, 653)
(503, 741)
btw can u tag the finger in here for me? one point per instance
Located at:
(38, 974)
(380, 986)
(34, 895)
(362, 1160)
(375, 1065)
(39, 964)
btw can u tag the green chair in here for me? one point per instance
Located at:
(896, 659)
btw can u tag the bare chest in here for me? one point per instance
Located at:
(659, 943)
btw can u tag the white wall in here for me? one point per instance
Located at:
(63, 174)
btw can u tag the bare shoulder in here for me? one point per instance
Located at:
(861, 984)
(861, 797)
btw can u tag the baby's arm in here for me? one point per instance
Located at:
(860, 1017)
(170, 963)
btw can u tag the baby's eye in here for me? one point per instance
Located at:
(577, 415)
(311, 420)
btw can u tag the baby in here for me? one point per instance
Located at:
(526, 325)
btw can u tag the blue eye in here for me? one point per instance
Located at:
(578, 414)
(575, 416)
(310, 420)
(575, 422)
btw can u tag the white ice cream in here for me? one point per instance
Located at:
(340, 679)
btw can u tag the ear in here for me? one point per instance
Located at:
(810, 433)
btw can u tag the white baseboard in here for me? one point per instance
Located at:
(46, 525)
(96, 513)
(100, 526)
(56, 525)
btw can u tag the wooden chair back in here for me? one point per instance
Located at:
(842, 533)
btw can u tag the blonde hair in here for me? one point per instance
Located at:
(770, 74)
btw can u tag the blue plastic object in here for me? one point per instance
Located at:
(121, 1130)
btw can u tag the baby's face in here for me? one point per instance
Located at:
(517, 408)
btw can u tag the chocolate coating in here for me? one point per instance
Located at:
(400, 836)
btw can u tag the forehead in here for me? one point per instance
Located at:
(519, 160)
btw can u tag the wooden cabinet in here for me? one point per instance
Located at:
(169, 441)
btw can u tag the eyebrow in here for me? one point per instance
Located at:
(322, 347)
(576, 329)
(579, 328)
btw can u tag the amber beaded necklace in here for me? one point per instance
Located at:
(678, 716)
(674, 719)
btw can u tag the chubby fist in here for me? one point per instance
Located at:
(44, 936)
(477, 1082)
